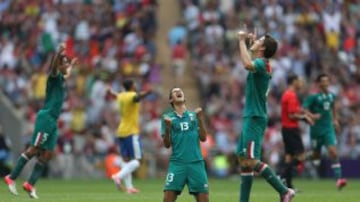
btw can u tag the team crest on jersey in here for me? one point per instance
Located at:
(191, 117)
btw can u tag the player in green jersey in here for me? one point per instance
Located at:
(45, 131)
(255, 114)
(323, 132)
(183, 130)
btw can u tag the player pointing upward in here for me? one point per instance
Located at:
(255, 114)
(45, 134)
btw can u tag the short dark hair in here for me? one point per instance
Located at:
(291, 78)
(270, 45)
(128, 83)
(320, 76)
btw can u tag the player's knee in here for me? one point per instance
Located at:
(248, 163)
(135, 163)
(31, 152)
(45, 156)
(333, 153)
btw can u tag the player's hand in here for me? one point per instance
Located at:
(199, 112)
(309, 120)
(242, 35)
(167, 122)
(337, 126)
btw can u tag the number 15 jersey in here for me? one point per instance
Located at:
(184, 137)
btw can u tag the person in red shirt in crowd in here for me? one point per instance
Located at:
(291, 114)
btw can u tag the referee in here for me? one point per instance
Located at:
(291, 114)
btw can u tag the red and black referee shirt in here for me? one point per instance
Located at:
(289, 104)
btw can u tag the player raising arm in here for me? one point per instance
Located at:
(45, 134)
(182, 130)
(323, 132)
(255, 114)
(128, 133)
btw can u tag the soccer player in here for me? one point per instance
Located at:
(128, 133)
(183, 130)
(323, 133)
(45, 134)
(255, 114)
(291, 114)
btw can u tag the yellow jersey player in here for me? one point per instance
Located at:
(128, 133)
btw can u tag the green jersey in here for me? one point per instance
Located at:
(184, 137)
(55, 94)
(257, 88)
(322, 104)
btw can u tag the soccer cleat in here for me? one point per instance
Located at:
(341, 183)
(288, 196)
(132, 191)
(11, 185)
(118, 183)
(30, 189)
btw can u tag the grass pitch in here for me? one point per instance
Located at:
(151, 191)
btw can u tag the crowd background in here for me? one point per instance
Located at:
(115, 39)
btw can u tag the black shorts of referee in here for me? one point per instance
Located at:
(292, 141)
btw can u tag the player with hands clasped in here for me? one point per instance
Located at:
(182, 130)
(255, 114)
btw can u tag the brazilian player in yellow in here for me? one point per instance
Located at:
(255, 114)
(128, 133)
(45, 134)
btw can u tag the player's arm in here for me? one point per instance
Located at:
(307, 108)
(55, 61)
(141, 95)
(69, 67)
(165, 131)
(110, 93)
(244, 54)
(335, 117)
(202, 129)
(295, 112)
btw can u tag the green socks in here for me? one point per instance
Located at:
(270, 177)
(36, 173)
(336, 167)
(21, 162)
(246, 184)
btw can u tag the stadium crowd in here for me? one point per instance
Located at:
(314, 37)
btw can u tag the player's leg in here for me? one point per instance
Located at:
(250, 157)
(130, 149)
(21, 162)
(47, 144)
(330, 143)
(197, 181)
(170, 196)
(174, 182)
(294, 157)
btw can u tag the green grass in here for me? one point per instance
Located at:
(151, 191)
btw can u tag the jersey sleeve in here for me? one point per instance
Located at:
(308, 102)
(260, 66)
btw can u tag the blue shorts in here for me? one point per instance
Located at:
(130, 147)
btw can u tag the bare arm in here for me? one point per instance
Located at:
(244, 54)
(302, 116)
(202, 129)
(141, 95)
(70, 67)
(335, 118)
(166, 139)
(111, 93)
(55, 61)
